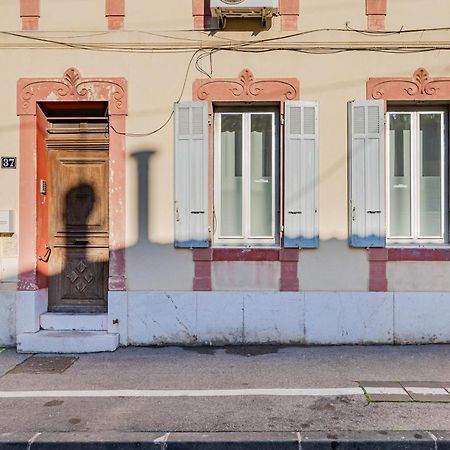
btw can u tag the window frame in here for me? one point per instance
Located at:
(247, 240)
(415, 111)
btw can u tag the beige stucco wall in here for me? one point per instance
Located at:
(155, 81)
(245, 276)
(417, 14)
(9, 180)
(9, 17)
(334, 267)
(418, 276)
(57, 15)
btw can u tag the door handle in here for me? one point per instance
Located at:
(47, 254)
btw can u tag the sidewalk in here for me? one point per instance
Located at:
(236, 397)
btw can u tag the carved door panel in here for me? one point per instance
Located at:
(78, 230)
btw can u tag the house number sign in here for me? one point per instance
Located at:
(9, 162)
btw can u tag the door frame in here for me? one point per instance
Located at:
(74, 88)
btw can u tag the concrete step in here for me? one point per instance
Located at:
(69, 322)
(47, 341)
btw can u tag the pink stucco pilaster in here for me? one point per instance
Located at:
(27, 204)
(202, 258)
(201, 14)
(29, 12)
(378, 258)
(289, 269)
(115, 13)
(117, 204)
(376, 11)
(289, 11)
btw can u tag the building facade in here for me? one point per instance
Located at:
(180, 174)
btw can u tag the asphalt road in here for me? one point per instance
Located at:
(230, 368)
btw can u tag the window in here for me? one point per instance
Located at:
(236, 192)
(417, 176)
(246, 178)
(398, 178)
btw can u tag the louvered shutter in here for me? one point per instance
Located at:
(191, 174)
(366, 166)
(301, 175)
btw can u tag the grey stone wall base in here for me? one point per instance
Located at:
(365, 440)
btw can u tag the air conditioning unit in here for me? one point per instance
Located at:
(243, 8)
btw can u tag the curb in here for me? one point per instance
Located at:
(364, 440)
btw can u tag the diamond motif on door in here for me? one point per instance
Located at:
(81, 286)
(88, 276)
(77, 273)
(81, 267)
(73, 276)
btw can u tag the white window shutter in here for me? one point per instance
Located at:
(366, 166)
(301, 174)
(191, 174)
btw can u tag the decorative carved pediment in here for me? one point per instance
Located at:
(246, 88)
(72, 86)
(420, 87)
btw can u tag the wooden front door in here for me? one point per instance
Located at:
(77, 192)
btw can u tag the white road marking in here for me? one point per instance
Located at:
(299, 437)
(31, 441)
(327, 392)
(162, 440)
(434, 440)
(385, 390)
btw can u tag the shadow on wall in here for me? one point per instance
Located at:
(78, 266)
(152, 266)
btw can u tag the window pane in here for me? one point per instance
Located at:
(231, 175)
(261, 175)
(400, 175)
(430, 174)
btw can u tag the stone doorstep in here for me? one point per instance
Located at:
(46, 341)
(364, 440)
(69, 322)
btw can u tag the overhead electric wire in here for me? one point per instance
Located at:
(228, 44)
(201, 50)
(123, 133)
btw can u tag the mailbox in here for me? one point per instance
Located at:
(6, 221)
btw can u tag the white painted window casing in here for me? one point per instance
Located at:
(191, 174)
(416, 181)
(366, 173)
(245, 177)
(301, 174)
